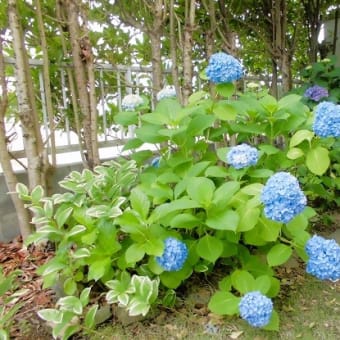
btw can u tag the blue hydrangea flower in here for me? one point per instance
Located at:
(316, 93)
(327, 120)
(324, 258)
(256, 309)
(131, 101)
(174, 255)
(242, 155)
(155, 162)
(282, 197)
(168, 91)
(223, 68)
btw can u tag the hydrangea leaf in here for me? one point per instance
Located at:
(248, 218)
(317, 160)
(201, 190)
(295, 153)
(243, 281)
(223, 220)
(185, 220)
(300, 136)
(140, 202)
(274, 323)
(224, 303)
(263, 283)
(199, 123)
(225, 89)
(279, 254)
(209, 248)
(134, 253)
(224, 111)
(126, 118)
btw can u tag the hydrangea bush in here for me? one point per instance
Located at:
(220, 193)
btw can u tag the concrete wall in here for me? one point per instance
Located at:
(9, 228)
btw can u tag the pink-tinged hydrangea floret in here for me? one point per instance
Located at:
(327, 120)
(224, 68)
(131, 102)
(174, 255)
(316, 93)
(256, 309)
(323, 258)
(282, 197)
(242, 156)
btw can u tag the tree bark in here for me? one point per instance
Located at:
(27, 110)
(187, 49)
(5, 158)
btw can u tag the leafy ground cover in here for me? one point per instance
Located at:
(309, 308)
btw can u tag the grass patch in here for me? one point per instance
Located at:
(308, 309)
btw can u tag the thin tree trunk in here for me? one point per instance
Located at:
(5, 158)
(27, 110)
(173, 52)
(47, 82)
(187, 49)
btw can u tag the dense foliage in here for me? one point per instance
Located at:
(220, 184)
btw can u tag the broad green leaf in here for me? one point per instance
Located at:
(126, 118)
(216, 171)
(269, 230)
(263, 284)
(225, 89)
(98, 268)
(260, 173)
(132, 144)
(224, 111)
(224, 193)
(209, 248)
(300, 136)
(242, 281)
(150, 134)
(37, 194)
(134, 253)
(252, 189)
(70, 303)
(224, 303)
(199, 123)
(295, 153)
(201, 190)
(317, 160)
(185, 220)
(70, 286)
(279, 254)
(223, 220)
(249, 218)
(140, 202)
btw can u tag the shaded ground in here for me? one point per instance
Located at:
(308, 308)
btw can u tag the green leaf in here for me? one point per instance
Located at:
(242, 281)
(37, 194)
(224, 193)
(62, 214)
(252, 189)
(98, 268)
(134, 253)
(274, 323)
(132, 144)
(70, 303)
(300, 136)
(185, 220)
(126, 118)
(140, 202)
(77, 229)
(209, 248)
(225, 89)
(150, 134)
(224, 111)
(4, 334)
(224, 303)
(216, 171)
(51, 315)
(263, 284)
(279, 254)
(201, 190)
(294, 153)
(249, 218)
(317, 160)
(84, 297)
(70, 286)
(81, 253)
(90, 316)
(269, 230)
(199, 123)
(223, 220)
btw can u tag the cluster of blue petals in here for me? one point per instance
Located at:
(131, 102)
(324, 258)
(256, 309)
(223, 68)
(174, 255)
(327, 120)
(282, 197)
(155, 162)
(168, 91)
(316, 93)
(242, 155)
